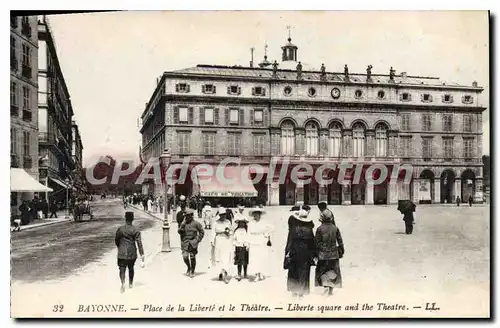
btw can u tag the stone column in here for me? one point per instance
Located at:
(392, 143)
(299, 191)
(370, 145)
(393, 193)
(456, 189)
(437, 190)
(346, 193)
(274, 192)
(478, 193)
(323, 193)
(403, 189)
(323, 142)
(416, 187)
(300, 142)
(369, 194)
(347, 145)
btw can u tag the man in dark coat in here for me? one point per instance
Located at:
(126, 238)
(325, 213)
(53, 209)
(24, 208)
(407, 209)
(471, 200)
(192, 233)
(180, 216)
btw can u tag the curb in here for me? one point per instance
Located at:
(23, 228)
(150, 214)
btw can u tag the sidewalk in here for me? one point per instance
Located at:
(61, 218)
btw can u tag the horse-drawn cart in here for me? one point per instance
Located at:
(82, 211)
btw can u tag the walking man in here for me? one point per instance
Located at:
(126, 238)
(192, 233)
(471, 200)
(53, 209)
(325, 214)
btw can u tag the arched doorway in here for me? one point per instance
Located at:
(426, 187)
(380, 189)
(468, 185)
(311, 193)
(447, 186)
(287, 192)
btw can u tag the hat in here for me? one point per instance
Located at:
(299, 207)
(326, 216)
(323, 202)
(129, 216)
(182, 198)
(302, 215)
(221, 210)
(189, 212)
(240, 218)
(207, 203)
(240, 206)
(255, 210)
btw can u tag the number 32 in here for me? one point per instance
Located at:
(58, 308)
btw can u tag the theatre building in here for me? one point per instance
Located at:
(289, 112)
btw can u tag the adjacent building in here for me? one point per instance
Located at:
(55, 123)
(290, 112)
(23, 107)
(79, 186)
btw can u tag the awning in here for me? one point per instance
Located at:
(21, 181)
(211, 185)
(59, 182)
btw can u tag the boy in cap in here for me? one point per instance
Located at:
(192, 233)
(325, 213)
(126, 238)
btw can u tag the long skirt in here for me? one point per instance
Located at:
(328, 273)
(222, 254)
(259, 261)
(298, 277)
(241, 256)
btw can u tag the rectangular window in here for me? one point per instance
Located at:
(258, 144)
(233, 90)
(427, 149)
(467, 99)
(13, 141)
(258, 116)
(448, 148)
(209, 143)
(26, 55)
(183, 115)
(26, 143)
(467, 123)
(13, 56)
(234, 143)
(447, 123)
(426, 122)
(258, 91)
(183, 142)
(182, 87)
(234, 116)
(468, 148)
(405, 96)
(406, 147)
(26, 98)
(209, 115)
(405, 122)
(447, 98)
(13, 93)
(208, 88)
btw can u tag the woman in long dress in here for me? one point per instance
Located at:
(222, 246)
(259, 238)
(330, 249)
(300, 251)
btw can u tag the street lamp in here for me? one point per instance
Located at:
(166, 157)
(68, 182)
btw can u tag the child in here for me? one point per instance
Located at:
(240, 242)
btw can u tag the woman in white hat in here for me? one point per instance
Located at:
(260, 242)
(300, 251)
(222, 245)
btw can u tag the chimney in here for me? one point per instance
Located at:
(474, 84)
(404, 75)
(251, 54)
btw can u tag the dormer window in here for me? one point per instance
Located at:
(311, 92)
(233, 90)
(405, 96)
(182, 88)
(358, 94)
(381, 94)
(258, 91)
(426, 97)
(447, 98)
(287, 91)
(467, 99)
(208, 89)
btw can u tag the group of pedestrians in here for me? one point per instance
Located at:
(305, 249)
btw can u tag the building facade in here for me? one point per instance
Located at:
(23, 100)
(55, 118)
(77, 156)
(287, 114)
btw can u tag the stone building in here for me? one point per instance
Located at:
(287, 109)
(55, 118)
(77, 156)
(23, 101)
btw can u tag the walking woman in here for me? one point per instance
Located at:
(259, 238)
(222, 245)
(300, 251)
(240, 242)
(330, 249)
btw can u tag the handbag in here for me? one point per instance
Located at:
(269, 243)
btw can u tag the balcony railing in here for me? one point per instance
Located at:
(14, 160)
(46, 137)
(27, 162)
(14, 110)
(27, 115)
(26, 29)
(26, 71)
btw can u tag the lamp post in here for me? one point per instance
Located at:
(166, 157)
(68, 182)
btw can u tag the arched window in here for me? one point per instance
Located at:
(312, 139)
(381, 140)
(287, 139)
(358, 140)
(335, 140)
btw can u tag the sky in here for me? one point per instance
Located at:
(111, 60)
